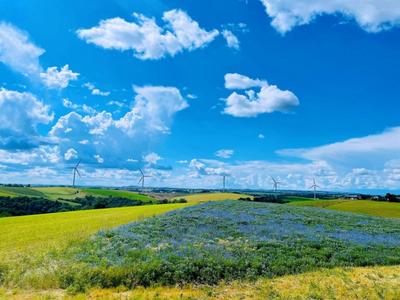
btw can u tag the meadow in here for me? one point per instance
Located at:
(339, 283)
(68, 193)
(38, 234)
(205, 197)
(221, 241)
(372, 208)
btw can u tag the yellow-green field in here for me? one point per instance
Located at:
(372, 208)
(54, 193)
(197, 198)
(339, 283)
(117, 193)
(39, 233)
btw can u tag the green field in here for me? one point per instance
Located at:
(39, 233)
(68, 193)
(205, 197)
(372, 208)
(117, 193)
(19, 191)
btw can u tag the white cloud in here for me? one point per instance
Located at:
(17, 51)
(95, 91)
(115, 139)
(261, 136)
(250, 104)
(371, 15)
(116, 103)
(224, 153)
(81, 108)
(71, 153)
(231, 40)
(235, 81)
(55, 79)
(147, 39)
(153, 111)
(152, 158)
(20, 115)
(372, 151)
(99, 159)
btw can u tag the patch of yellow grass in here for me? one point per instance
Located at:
(37, 234)
(205, 197)
(372, 208)
(54, 193)
(339, 283)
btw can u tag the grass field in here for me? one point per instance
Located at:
(39, 233)
(118, 193)
(372, 208)
(19, 191)
(205, 197)
(338, 283)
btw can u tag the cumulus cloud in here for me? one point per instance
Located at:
(20, 115)
(153, 111)
(224, 153)
(71, 153)
(231, 40)
(268, 99)
(261, 136)
(148, 40)
(95, 91)
(372, 15)
(55, 79)
(152, 158)
(115, 139)
(17, 51)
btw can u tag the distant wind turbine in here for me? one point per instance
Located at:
(75, 171)
(141, 180)
(276, 182)
(314, 186)
(223, 182)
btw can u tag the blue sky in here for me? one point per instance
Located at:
(192, 90)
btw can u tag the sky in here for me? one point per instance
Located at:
(190, 91)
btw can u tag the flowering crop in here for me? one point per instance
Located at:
(230, 240)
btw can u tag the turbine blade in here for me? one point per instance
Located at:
(78, 172)
(140, 180)
(77, 165)
(141, 171)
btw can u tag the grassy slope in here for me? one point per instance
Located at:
(39, 233)
(338, 283)
(195, 198)
(53, 193)
(19, 191)
(118, 193)
(372, 208)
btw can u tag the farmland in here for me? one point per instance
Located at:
(68, 193)
(205, 197)
(234, 239)
(39, 233)
(373, 208)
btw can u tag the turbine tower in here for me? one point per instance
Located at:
(141, 180)
(223, 182)
(314, 186)
(276, 182)
(75, 171)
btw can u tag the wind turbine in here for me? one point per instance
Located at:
(223, 181)
(76, 171)
(276, 182)
(314, 186)
(141, 180)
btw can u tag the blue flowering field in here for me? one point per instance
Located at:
(229, 240)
